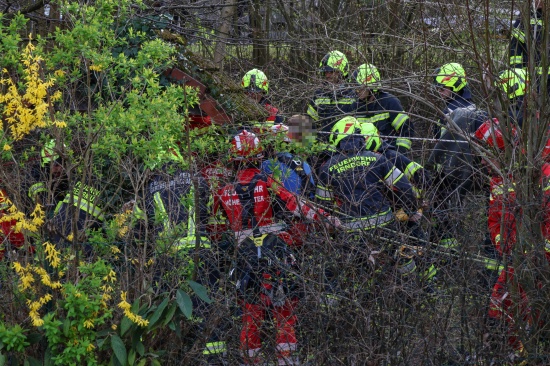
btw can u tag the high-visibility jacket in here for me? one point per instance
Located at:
(387, 113)
(172, 210)
(328, 106)
(85, 199)
(357, 179)
(414, 172)
(519, 50)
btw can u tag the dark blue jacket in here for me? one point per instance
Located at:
(328, 106)
(358, 180)
(386, 112)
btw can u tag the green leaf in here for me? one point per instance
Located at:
(131, 357)
(142, 362)
(156, 363)
(2, 360)
(140, 348)
(119, 348)
(66, 327)
(170, 314)
(184, 303)
(34, 362)
(200, 290)
(156, 316)
(125, 324)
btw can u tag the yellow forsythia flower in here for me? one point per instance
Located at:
(52, 255)
(7, 147)
(111, 277)
(113, 327)
(90, 348)
(126, 307)
(88, 323)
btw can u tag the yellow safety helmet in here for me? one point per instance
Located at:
(513, 82)
(255, 81)
(346, 126)
(451, 76)
(368, 76)
(335, 61)
(373, 142)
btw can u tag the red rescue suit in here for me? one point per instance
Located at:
(503, 212)
(251, 218)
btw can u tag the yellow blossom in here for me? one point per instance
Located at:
(29, 110)
(7, 147)
(96, 68)
(88, 323)
(59, 73)
(113, 327)
(114, 249)
(18, 267)
(90, 348)
(126, 307)
(52, 255)
(111, 276)
(70, 237)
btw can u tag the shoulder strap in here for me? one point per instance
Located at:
(297, 166)
(245, 192)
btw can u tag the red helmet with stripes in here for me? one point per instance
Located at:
(246, 145)
(491, 134)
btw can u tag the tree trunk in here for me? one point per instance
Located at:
(259, 38)
(223, 32)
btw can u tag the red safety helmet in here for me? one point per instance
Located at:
(491, 134)
(246, 145)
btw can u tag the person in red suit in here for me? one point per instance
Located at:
(264, 259)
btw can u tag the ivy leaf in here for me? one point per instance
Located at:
(184, 303)
(119, 348)
(200, 290)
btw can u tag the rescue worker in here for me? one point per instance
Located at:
(452, 86)
(454, 166)
(503, 215)
(177, 205)
(381, 108)
(256, 87)
(521, 34)
(71, 209)
(264, 260)
(513, 84)
(528, 39)
(354, 183)
(334, 99)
